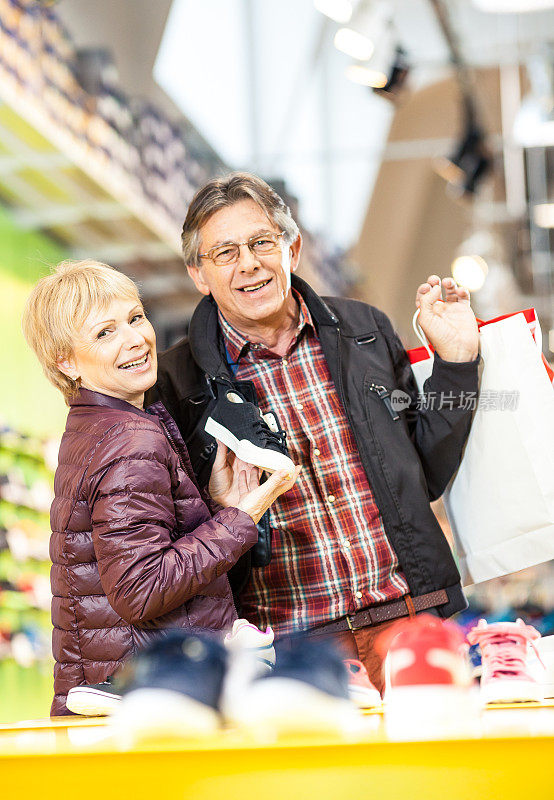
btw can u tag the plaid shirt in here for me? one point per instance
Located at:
(331, 556)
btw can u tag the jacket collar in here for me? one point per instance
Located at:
(86, 397)
(206, 341)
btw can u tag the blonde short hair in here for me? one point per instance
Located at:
(59, 305)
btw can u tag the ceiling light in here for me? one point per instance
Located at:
(370, 23)
(512, 6)
(470, 271)
(468, 164)
(354, 44)
(365, 76)
(543, 215)
(396, 75)
(383, 79)
(338, 10)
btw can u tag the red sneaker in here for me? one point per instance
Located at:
(428, 687)
(360, 689)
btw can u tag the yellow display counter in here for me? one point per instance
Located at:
(512, 756)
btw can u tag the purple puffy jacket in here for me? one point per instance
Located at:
(136, 545)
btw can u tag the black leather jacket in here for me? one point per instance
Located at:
(409, 456)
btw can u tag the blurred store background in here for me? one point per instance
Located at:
(409, 137)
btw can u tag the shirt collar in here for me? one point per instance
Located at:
(238, 345)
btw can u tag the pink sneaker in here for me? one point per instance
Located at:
(360, 689)
(505, 651)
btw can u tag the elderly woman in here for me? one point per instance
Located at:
(137, 546)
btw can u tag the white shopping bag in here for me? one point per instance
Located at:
(500, 503)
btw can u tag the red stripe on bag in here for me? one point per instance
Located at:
(418, 354)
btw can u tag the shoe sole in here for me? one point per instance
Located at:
(364, 697)
(504, 690)
(269, 460)
(152, 714)
(414, 713)
(283, 706)
(92, 702)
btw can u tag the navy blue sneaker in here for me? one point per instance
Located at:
(306, 693)
(171, 688)
(94, 699)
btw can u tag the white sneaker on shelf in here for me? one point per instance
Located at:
(251, 655)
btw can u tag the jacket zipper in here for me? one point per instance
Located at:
(383, 394)
(384, 498)
(173, 445)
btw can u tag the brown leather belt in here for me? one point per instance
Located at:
(383, 612)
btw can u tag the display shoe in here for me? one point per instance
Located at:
(428, 686)
(251, 655)
(306, 693)
(171, 688)
(94, 700)
(360, 689)
(255, 438)
(245, 638)
(509, 674)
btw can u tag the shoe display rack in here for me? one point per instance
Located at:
(509, 759)
(102, 173)
(26, 481)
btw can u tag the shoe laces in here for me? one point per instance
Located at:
(267, 436)
(503, 650)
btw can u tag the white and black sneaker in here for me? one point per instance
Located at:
(254, 437)
(94, 700)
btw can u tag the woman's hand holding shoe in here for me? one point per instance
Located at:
(235, 483)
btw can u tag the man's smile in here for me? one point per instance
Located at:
(254, 287)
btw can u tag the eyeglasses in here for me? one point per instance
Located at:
(262, 244)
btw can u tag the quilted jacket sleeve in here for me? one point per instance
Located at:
(144, 569)
(438, 433)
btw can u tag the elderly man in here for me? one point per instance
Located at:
(354, 544)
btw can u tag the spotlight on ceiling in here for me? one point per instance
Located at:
(354, 44)
(397, 73)
(470, 271)
(468, 164)
(384, 78)
(338, 10)
(369, 24)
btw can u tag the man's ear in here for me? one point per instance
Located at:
(198, 279)
(295, 250)
(68, 367)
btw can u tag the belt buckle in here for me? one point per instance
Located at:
(349, 622)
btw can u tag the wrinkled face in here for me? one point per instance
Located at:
(115, 352)
(255, 290)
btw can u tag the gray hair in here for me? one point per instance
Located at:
(224, 192)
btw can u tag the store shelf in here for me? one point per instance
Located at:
(56, 183)
(37, 758)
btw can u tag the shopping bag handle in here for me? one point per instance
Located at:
(419, 333)
(537, 338)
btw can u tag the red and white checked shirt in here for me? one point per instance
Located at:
(331, 556)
